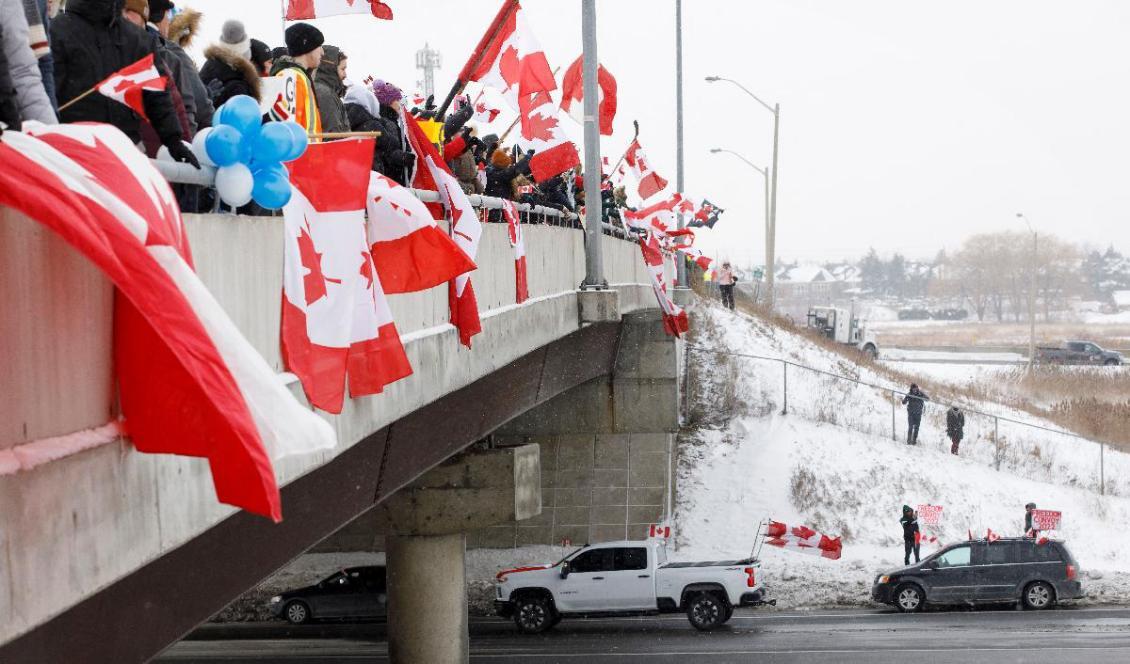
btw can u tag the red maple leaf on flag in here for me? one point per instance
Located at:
(538, 127)
(367, 269)
(314, 283)
(510, 67)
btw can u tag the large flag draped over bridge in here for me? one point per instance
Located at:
(189, 382)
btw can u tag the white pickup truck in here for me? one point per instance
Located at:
(627, 577)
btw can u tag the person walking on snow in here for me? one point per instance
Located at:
(914, 401)
(726, 281)
(955, 427)
(910, 534)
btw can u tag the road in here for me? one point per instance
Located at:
(863, 636)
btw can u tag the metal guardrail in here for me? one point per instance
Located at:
(896, 393)
(205, 176)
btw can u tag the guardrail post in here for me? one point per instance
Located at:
(785, 373)
(997, 438)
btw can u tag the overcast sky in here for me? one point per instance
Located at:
(905, 126)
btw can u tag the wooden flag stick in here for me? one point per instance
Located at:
(636, 124)
(78, 98)
(344, 134)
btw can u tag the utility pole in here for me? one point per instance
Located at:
(771, 254)
(429, 60)
(594, 232)
(681, 267)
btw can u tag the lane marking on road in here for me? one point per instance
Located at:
(725, 653)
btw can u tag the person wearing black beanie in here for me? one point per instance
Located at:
(261, 57)
(304, 54)
(304, 44)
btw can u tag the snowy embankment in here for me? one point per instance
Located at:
(831, 464)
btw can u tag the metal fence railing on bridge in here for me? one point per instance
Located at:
(1026, 449)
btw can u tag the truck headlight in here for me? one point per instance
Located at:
(276, 599)
(884, 579)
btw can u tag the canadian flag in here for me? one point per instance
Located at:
(698, 257)
(485, 113)
(803, 539)
(573, 95)
(706, 215)
(650, 182)
(432, 174)
(659, 531)
(509, 59)
(126, 85)
(410, 250)
(177, 356)
(657, 218)
(518, 242)
(675, 321)
(300, 10)
(335, 321)
(991, 536)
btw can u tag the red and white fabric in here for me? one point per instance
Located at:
(301, 10)
(509, 59)
(698, 257)
(650, 182)
(336, 322)
(573, 95)
(177, 356)
(659, 531)
(658, 217)
(675, 321)
(433, 174)
(410, 250)
(803, 539)
(484, 112)
(991, 536)
(126, 85)
(518, 242)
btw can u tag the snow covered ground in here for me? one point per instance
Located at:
(819, 466)
(892, 353)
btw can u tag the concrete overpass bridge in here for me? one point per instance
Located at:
(109, 555)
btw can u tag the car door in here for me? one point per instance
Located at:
(373, 599)
(998, 570)
(631, 581)
(951, 576)
(334, 598)
(585, 587)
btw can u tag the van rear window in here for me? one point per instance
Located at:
(1031, 552)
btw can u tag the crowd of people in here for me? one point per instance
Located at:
(51, 59)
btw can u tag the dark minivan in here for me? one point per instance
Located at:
(1037, 573)
(354, 592)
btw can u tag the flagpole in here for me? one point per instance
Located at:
(508, 8)
(636, 124)
(79, 98)
(594, 232)
(681, 273)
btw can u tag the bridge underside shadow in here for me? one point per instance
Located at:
(165, 599)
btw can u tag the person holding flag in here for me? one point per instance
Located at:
(911, 535)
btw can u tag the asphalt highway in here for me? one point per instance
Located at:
(1061, 636)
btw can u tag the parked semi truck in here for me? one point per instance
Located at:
(627, 577)
(843, 326)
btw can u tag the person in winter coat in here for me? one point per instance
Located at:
(914, 401)
(726, 281)
(910, 534)
(304, 54)
(460, 155)
(180, 34)
(23, 66)
(197, 104)
(501, 174)
(364, 114)
(397, 160)
(38, 15)
(227, 69)
(329, 89)
(1029, 527)
(955, 427)
(261, 57)
(90, 41)
(9, 109)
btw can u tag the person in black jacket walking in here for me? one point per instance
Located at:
(89, 42)
(955, 427)
(914, 401)
(910, 534)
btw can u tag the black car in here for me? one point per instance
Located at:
(354, 592)
(1037, 573)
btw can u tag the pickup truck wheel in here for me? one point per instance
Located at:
(1111, 362)
(533, 615)
(706, 611)
(909, 598)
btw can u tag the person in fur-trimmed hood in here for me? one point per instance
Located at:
(228, 70)
(184, 27)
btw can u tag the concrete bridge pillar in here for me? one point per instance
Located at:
(427, 523)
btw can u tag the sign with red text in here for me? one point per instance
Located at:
(1046, 519)
(930, 515)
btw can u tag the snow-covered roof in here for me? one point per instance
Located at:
(803, 274)
(1121, 298)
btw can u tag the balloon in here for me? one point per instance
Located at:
(199, 149)
(300, 140)
(234, 184)
(222, 145)
(242, 112)
(275, 142)
(272, 187)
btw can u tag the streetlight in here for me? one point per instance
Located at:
(1031, 293)
(771, 241)
(768, 231)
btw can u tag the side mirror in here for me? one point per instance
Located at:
(564, 570)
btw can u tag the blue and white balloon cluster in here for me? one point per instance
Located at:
(249, 154)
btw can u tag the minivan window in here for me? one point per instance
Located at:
(1045, 553)
(631, 558)
(954, 557)
(1000, 553)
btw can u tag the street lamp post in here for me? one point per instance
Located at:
(681, 273)
(771, 241)
(768, 230)
(1032, 292)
